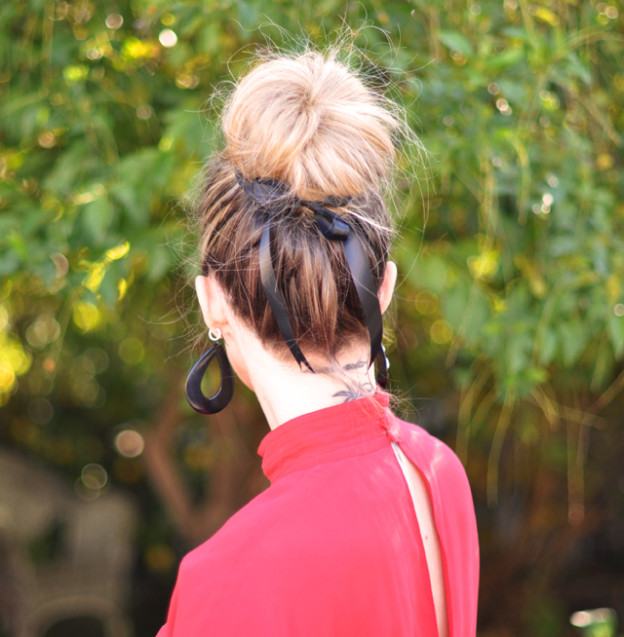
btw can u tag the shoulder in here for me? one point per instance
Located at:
(429, 453)
(298, 526)
(284, 546)
(289, 519)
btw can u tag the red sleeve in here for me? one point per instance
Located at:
(168, 629)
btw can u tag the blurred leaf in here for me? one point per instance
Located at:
(573, 341)
(456, 42)
(548, 346)
(615, 328)
(97, 217)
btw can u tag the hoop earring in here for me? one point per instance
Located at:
(194, 394)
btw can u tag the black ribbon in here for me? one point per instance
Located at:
(276, 300)
(266, 192)
(272, 194)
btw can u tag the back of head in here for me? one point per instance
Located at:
(312, 124)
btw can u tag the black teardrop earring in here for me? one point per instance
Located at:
(383, 365)
(194, 394)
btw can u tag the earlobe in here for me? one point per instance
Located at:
(386, 289)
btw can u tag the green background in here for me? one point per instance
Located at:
(507, 335)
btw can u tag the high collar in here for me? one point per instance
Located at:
(345, 430)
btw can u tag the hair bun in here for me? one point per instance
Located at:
(311, 123)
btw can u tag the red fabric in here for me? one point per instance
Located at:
(332, 547)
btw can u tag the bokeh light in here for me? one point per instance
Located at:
(129, 443)
(503, 106)
(86, 316)
(44, 330)
(587, 618)
(131, 351)
(114, 21)
(94, 476)
(168, 38)
(441, 332)
(40, 411)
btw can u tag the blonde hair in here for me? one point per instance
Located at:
(313, 124)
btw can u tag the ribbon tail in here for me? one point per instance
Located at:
(276, 301)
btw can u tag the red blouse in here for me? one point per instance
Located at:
(332, 547)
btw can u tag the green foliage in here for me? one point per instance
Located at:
(524, 242)
(511, 306)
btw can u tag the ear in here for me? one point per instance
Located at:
(386, 289)
(212, 301)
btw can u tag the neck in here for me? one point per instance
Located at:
(286, 391)
(298, 391)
